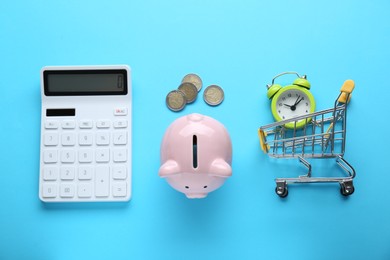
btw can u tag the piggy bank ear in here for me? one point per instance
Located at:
(169, 168)
(220, 168)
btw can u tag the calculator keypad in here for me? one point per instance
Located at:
(85, 160)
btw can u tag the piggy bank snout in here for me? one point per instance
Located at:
(196, 155)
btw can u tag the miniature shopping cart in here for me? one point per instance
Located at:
(322, 136)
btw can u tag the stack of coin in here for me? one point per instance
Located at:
(186, 93)
(188, 90)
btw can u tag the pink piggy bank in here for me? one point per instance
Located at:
(196, 155)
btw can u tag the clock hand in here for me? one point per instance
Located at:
(297, 102)
(293, 107)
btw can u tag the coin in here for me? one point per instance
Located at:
(176, 100)
(189, 90)
(194, 79)
(213, 95)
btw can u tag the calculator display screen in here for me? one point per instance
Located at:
(85, 82)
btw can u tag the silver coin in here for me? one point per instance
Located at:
(194, 79)
(176, 100)
(213, 95)
(189, 90)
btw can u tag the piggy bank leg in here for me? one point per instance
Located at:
(169, 168)
(220, 168)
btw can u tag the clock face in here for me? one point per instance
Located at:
(291, 102)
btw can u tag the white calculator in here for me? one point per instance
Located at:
(85, 134)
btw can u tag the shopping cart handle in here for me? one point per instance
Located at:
(263, 143)
(346, 91)
(348, 86)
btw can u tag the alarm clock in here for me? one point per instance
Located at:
(291, 101)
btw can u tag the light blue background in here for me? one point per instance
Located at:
(239, 45)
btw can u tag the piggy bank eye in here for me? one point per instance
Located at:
(204, 187)
(186, 187)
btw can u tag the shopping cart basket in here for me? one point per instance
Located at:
(323, 136)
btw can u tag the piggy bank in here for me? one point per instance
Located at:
(196, 155)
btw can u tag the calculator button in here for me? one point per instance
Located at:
(103, 124)
(85, 139)
(102, 188)
(50, 173)
(85, 155)
(68, 124)
(119, 172)
(120, 155)
(120, 111)
(102, 138)
(50, 139)
(67, 173)
(68, 139)
(102, 155)
(120, 124)
(85, 124)
(49, 190)
(51, 124)
(120, 138)
(67, 156)
(84, 190)
(67, 190)
(85, 172)
(50, 156)
(119, 189)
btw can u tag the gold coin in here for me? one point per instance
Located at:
(189, 90)
(194, 79)
(213, 95)
(176, 100)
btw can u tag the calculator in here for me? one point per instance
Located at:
(85, 148)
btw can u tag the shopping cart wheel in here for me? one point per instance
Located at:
(281, 189)
(346, 188)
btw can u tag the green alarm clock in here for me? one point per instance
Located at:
(291, 101)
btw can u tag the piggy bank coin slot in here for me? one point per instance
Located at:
(195, 151)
